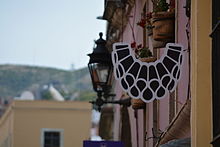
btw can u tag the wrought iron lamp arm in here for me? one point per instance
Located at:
(99, 102)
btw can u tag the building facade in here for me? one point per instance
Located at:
(45, 124)
(190, 111)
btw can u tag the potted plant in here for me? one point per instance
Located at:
(145, 55)
(163, 21)
(145, 23)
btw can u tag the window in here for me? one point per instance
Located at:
(52, 138)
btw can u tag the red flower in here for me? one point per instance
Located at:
(142, 23)
(133, 44)
(139, 46)
(149, 15)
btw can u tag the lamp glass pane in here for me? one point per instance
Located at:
(102, 72)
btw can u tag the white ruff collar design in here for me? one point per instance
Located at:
(147, 81)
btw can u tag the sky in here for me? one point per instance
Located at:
(49, 33)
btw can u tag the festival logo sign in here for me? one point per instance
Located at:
(147, 81)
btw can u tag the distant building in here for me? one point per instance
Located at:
(26, 95)
(55, 94)
(45, 124)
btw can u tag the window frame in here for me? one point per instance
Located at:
(43, 130)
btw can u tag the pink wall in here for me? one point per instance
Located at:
(182, 39)
(149, 124)
(181, 92)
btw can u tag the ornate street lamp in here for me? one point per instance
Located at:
(100, 68)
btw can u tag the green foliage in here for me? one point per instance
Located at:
(145, 52)
(160, 5)
(46, 95)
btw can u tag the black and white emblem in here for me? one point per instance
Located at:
(147, 81)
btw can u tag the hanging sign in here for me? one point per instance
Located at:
(147, 81)
(88, 143)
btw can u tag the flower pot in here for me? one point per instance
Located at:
(138, 103)
(157, 44)
(148, 59)
(164, 26)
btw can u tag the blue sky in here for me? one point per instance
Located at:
(51, 33)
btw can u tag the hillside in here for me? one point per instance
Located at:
(73, 85)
